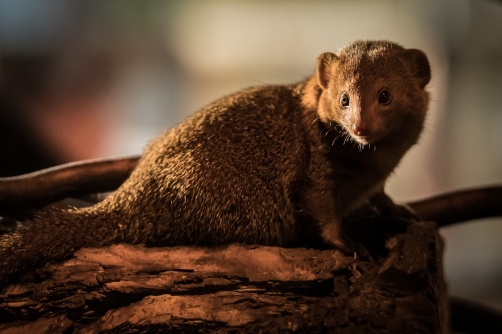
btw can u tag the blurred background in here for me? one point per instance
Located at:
(88, 79)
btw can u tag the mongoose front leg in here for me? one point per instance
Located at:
(388, 208)
(322, 207)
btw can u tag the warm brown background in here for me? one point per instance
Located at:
(100, 78)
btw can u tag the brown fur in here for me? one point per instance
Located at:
(266, 165)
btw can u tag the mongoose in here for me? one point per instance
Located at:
(268, 165)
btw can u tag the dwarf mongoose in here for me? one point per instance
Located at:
(268, 165)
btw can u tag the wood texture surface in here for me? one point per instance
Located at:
(239, 288)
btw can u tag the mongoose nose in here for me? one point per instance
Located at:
(360, 130)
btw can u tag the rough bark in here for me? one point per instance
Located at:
(240, 288)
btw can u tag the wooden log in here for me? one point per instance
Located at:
(239, 288)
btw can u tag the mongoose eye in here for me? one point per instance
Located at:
(384, 96)
(344, 100)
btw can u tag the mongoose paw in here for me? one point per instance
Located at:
(353, 248)
(405, 211)
(402, 215)
(387, 208)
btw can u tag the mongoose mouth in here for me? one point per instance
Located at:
(365, 139)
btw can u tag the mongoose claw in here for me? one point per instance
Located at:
(357, 249)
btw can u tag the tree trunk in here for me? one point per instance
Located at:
(240, 288)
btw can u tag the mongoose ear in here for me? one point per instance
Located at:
(323, 70)
(419, 66)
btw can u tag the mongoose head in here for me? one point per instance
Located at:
(373, 89)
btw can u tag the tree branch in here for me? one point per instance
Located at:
(46, 186)
(450, 208)
(41, 188)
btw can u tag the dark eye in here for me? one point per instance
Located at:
(344, 100)
(384, 96)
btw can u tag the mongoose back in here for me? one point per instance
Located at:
(261, 166)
